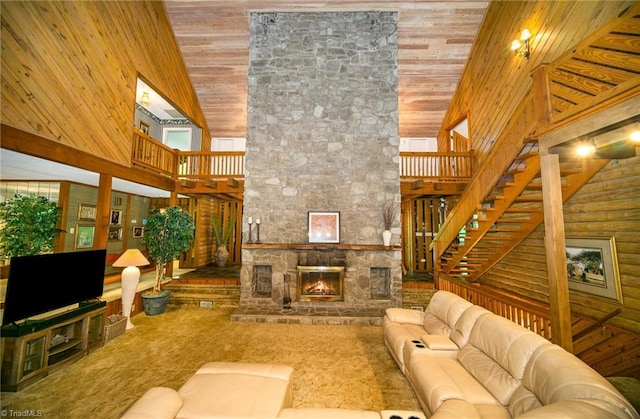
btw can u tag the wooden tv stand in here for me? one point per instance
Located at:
(34, 348)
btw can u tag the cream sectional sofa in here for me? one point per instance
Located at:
(484, 366)
(230, 390)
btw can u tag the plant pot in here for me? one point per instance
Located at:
(155, 303)
(221, 256)
(386, 238)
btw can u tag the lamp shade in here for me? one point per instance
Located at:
(132, 257)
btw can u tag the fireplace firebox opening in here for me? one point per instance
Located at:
(320, 283)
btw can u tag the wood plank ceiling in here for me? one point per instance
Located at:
(434, 41)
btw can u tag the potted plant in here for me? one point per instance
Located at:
(222, 234)
(28, 226)
(168, 232)
(388, 214)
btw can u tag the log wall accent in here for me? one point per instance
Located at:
(607, 206)
(69, 71)
(495, 80)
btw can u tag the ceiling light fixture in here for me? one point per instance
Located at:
(521, 46)
(586, 148)
(145, 99)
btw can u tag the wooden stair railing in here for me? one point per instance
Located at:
(513, 212)
(600, 71)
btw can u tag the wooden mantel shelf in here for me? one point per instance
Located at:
(318, 246)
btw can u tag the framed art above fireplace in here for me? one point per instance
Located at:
(324, 227)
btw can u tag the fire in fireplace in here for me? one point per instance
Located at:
(320, 283)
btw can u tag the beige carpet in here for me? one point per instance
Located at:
(335, 366)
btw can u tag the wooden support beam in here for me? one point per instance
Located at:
(555, 251)
(103, 217)
(232, 183)
(210, 183)
(189, 184)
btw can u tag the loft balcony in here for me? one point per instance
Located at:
(222, 172)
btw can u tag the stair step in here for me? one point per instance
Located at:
(204, 295)
(528, 199)
(517, 210)
(526, 156)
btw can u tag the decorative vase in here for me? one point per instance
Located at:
(386, 238)
(155, 303)
(221, 256)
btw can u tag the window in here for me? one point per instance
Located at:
(179, 138)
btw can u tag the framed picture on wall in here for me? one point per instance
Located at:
(592, 267)
(324, 227)
(84, 236)
(144, 127)
(116, 217)
(86, 212)
(138, 232)
(115, 233)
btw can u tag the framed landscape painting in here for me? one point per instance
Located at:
(592, 267)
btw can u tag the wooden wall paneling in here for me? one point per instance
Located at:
(591, 212)
(494, 79)
(69, 71)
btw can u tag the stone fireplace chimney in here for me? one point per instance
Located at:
(322, 135)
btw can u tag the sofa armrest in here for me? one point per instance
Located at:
(156, 403)
(439, 343)
(405, 315)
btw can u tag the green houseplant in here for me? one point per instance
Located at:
(28, 225)
(222, 234)
(168, 232)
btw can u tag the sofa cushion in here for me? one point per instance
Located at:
(462, 409)
(462, 328)
(436, 380)
(236, 390)
(443, 311)
(554, 375)
(522, 401)
(156, 403)
(578, 409)
(497, 354)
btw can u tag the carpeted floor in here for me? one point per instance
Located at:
(335, 366)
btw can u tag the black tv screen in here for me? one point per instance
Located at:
(41, 283)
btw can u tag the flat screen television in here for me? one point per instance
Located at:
(41, 283)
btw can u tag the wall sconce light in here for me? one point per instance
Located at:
(635, 137)
(521, 46)
(145, 99)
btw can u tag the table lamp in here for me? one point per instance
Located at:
(130, 260)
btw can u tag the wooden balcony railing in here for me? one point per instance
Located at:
(151, 154)
(452, 167)
(198, 165)
(536, 318)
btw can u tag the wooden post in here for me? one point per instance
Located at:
(542, 95)
(103, 212)
(555, 251)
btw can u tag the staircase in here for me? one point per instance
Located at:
(510, 212)
(204, 295)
